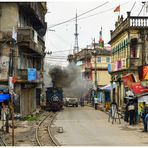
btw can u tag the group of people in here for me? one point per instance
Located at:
(131, 111)
(144, 115)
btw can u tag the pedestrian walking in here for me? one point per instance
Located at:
(96, 103)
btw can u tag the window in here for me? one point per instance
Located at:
(99, 59)
(107, 59)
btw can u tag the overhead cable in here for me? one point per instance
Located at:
(78, 15)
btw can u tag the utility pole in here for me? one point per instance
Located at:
(95, 54)
(11, 89)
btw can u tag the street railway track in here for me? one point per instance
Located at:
(44, 135)
(2, 142)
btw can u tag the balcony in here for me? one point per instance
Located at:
(22, 75)
(29, 37)
(133, 63)
(126, 63)
(36, 11)
(84, 54)
(130, 22)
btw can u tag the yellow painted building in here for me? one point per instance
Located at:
(103, 77)
(129, 50)
(86, 59)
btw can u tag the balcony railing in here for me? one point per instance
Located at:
(130, 22)
(34, 9)
(27, 36)
(22, 74)
(126, 63)
(133, 62)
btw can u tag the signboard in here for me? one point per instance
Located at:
(109, 68)
(123, 61)
(11, 85)
(140, 103)
(4, 67)
(128, 80)
(138, 89)
(143, 72)
(118, 65)
(112, 67)
(31, 74)
(39, 76)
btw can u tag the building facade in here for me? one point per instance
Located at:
(129, 51)
(94, 64)
(22, 57)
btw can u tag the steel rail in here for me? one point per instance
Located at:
(49, 131)
(2, 142)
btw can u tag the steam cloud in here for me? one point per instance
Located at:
(69, 79)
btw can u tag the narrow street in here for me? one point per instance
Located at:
(59, 54)
(85, 126)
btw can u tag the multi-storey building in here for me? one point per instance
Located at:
(27, 20)
(94, 64)
(129, 50)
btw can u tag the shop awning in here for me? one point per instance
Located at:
(130, 97)
(4, 97)
(109, 87)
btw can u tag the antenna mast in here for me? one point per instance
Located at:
(76, 47)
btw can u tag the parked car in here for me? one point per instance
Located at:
(71, 102)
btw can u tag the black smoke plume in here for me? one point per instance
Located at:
(69, 78)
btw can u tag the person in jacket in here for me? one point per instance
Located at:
(145, 116)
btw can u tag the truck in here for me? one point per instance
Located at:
(71, 101)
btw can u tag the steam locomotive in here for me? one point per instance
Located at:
(54, 99)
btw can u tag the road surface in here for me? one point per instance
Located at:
(85, 126)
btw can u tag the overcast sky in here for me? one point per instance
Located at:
(62, 39)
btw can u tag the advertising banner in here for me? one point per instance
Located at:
(138, 89)
(119, 65)
(116, 66)
(112, 67)
(123, 61)
(31, 74)
(109, 68)
(140, 102)
(128, 80)
(145, 73)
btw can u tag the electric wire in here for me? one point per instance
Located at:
(133, 6)
(101, 12)
(141, 9)
(73, 19)
(78, 16)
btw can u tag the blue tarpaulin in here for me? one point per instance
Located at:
(4, 97)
